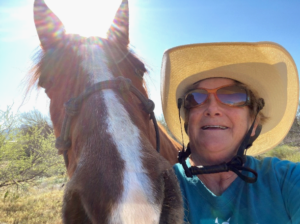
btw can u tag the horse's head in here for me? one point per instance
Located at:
(116, 174)
(70, 63)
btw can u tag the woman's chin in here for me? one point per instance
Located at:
(217, 151)
(217, 145)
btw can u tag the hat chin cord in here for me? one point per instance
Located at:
(236, 164)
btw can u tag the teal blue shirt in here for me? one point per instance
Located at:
(273, 199)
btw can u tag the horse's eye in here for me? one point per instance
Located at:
(46, 83)
(139, 72)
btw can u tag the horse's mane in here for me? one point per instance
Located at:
(34, 73)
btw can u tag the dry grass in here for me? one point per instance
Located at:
(39, 202)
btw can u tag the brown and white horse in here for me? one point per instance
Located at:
(116, 175)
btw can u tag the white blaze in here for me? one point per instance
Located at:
(136, 204)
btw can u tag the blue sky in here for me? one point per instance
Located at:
(155, 25)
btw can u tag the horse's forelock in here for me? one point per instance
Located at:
(42, 58)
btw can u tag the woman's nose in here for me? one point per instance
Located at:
(212, 106)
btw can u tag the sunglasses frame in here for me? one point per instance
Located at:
(214, 92)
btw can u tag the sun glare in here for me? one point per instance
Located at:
(87, 18)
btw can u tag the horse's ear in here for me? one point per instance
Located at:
(118, 32)
(49, 27)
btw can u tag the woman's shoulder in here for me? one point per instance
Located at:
(179, 171)
(271, 162)
(272, 166)
(184, 181)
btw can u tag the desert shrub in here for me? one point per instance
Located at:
(283, 152)
(27, 149)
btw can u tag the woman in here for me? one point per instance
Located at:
(226, 93)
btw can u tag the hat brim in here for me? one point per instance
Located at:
(265, 67)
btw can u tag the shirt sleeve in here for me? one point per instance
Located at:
(288, 174)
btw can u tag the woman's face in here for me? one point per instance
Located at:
(216, 130)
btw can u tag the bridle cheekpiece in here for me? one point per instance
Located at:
(73, 106)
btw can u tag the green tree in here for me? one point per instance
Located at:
(27, 150)
(33, 122)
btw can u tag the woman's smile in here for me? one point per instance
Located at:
(214, 127)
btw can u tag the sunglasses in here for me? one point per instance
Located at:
(233, 95)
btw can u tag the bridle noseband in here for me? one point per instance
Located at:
(73, 106)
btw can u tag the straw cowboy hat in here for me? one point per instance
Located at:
(265, 67)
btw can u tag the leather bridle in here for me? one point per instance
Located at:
(73, 106)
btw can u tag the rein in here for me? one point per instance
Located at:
(73, 106)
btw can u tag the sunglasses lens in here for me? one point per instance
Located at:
(195, 98)
(232, 95)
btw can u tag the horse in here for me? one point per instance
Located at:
(100, 110)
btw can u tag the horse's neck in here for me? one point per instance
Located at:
(169, 148)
